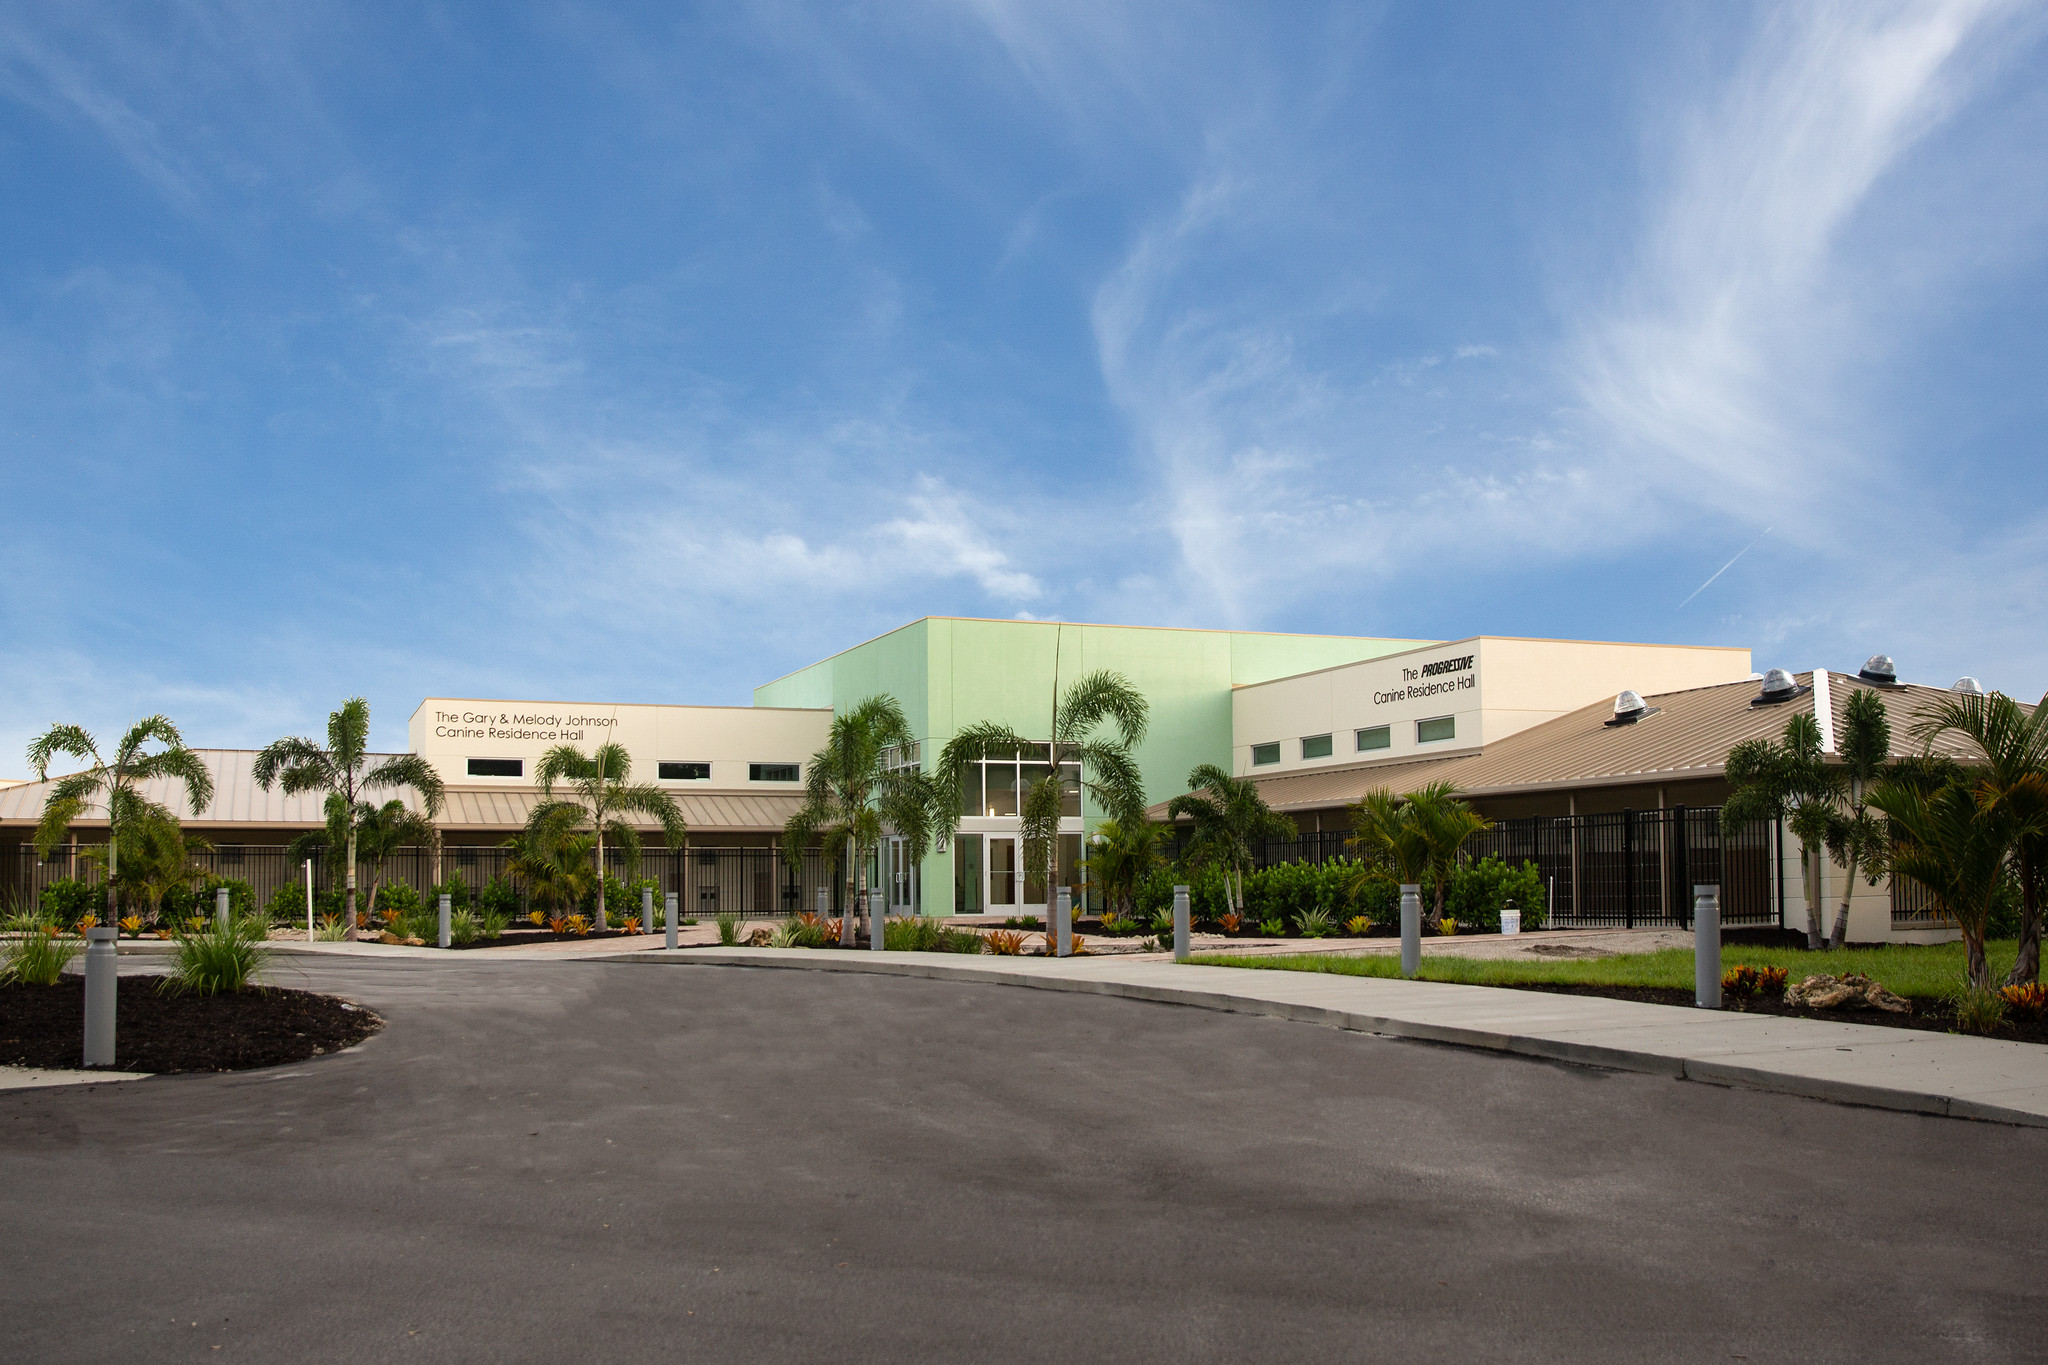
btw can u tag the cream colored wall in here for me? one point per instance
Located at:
(1870, 907)
(1512, 685)
(449, 731)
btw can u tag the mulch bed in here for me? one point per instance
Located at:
(1931, 1016)
(517, 936)
(44, 1026)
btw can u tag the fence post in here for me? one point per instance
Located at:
(646, 909)
(1063, 922)
(1706, 947)
(1411, 928)
(100, 979)
(1628, 867)
(1180, 923)
(671, 906)
(220, 907)
(446, 933)
(1682, 855)
(878, 904)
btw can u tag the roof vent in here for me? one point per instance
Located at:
(1878, 669)
(1778, 686)
(1629, 707)
(1967, 684)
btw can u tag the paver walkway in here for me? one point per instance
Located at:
(1932, 1073)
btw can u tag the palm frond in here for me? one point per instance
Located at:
(1098, 697)
(410, 770)
(178, 765)
(73, 740)
(296, 764)
(348, 735)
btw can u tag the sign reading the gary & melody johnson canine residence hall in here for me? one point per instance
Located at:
(542, 725)
(1432, 679)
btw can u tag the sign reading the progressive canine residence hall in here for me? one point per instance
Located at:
(542, 725)
(1430, 680)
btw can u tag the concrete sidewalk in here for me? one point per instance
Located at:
(1929, 1073)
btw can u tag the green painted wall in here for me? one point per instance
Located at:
(951, 671)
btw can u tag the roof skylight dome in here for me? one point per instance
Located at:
(1779, 685)
(1878, 669)
(1967, 684)
(1629, 707)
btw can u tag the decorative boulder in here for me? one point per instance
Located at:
(1852, 992)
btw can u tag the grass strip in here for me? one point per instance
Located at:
(1927, 971)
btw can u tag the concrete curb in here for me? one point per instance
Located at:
(1783, 1066)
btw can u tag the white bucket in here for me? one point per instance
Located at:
(1511, 921)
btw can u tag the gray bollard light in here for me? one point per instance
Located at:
(1180, 924)
(220, 906)
(646, 909)
(669, 908)
(1706, 947)
(876, 906)
(1063, 922)
(100, 979)
(447, 934)
(1411, 928)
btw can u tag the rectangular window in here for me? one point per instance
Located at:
(1070, 789)
(1316, 746)
(772, 772)
(497, 767)
(1378, 737)
(1436, 728)
(683, 772)
(1262, 754)
(1002, 789)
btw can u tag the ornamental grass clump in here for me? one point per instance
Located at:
(37, 959)
(216, 961)
(1316, 923)
(1979, 1011)
(728, 930)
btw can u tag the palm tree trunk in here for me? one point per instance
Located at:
(598, 826)
(351, 935)
(113, 864)
(846, 939)
(1841, 930)
(1973, 951)
(2026, 966)
(1808, 874)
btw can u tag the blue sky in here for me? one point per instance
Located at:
(618, 352)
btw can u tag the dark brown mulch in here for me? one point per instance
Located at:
(514, 936)
(1932, 1016)
(44, 1026)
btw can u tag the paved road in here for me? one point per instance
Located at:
(614, 1162)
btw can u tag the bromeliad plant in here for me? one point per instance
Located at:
(115, 783)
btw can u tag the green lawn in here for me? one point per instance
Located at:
(1926, 970)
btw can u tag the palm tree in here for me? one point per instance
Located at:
(1390, 840)
(1955, 846)
(342, 770)
(1855, 836)
(1122, 857)
(1787, 781)
(382, 831)
(2012, 778)
(1229, 816)
(600, 790)
(858, 787)
(1444, 823)
(117, 782)
(552, 861)
(160, 858)
(1105, 767)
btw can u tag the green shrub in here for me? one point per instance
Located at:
(1478, 890)
(491, 924)
(924, 935)
(65, 902)
(499, 897)
(287, 904)
(455, 888)
(463, 927)
(728, 929)
(1979, 1012)
(217, 960)
(37, 958)
(183, 902)
(403, 900)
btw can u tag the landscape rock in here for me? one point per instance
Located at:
(1852, 992)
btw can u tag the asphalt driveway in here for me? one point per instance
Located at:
(619, 1162)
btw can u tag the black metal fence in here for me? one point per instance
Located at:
(1627, 869)
(750, 882)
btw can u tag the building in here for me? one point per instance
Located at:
(1525, 726)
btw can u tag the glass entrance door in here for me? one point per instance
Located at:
(1002, 873)
(902, 886)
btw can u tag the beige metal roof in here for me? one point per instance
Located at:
(1689, 737)
(238, 801)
